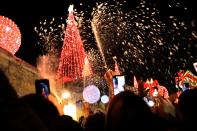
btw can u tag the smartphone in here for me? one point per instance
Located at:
(118, 83)
(42, 87)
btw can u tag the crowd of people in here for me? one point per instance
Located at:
(125, 111)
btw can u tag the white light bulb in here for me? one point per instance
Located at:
(65, 95)
(104, 99)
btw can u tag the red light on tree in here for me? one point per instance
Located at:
(10, 36)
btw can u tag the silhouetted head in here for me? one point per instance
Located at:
(95, 122)
(41, 105)
(45, 109)
(16, 116)
(187, 107)
(70, 124)
(128, 111)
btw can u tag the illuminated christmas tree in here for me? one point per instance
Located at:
(73, 55)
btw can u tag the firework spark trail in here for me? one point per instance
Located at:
(141, 38)
(96, 62)
(99, 44)
(50, 33)
(113, 26)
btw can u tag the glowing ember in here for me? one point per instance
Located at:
(10, 37)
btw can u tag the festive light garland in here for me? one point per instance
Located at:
(10, 36)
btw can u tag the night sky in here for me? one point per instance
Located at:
(160, 63)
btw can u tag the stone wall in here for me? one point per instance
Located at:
(21, 75)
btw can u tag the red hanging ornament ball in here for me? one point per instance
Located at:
(10, 36)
